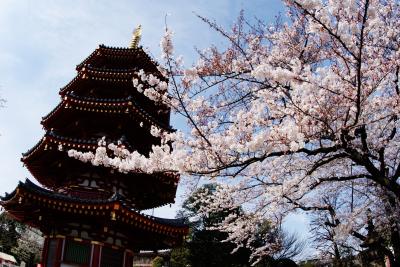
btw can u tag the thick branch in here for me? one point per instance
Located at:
(322, 162)
(359, 63)
(396, 81)
(306, 208)
(339, 179)
(246, 163)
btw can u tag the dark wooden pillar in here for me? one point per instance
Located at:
(128, 258)
(96, 255)
(45, 251)
(52, 252)
(59, 251)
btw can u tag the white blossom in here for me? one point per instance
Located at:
(298, 112)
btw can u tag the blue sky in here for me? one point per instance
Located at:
(41, 42)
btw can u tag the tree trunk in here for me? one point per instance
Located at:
(337, 261)
(394, 233)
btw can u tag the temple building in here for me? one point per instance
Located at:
(91, 215)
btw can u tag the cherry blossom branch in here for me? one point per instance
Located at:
(335, 36)
(396, 80)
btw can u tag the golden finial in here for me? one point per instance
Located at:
(137, 34)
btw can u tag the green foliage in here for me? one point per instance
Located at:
(157, 262)
(307, 264)
(180, 257)
(285, 263)
(10, 232)
(19, 240)
(205, 247)
(271, 262)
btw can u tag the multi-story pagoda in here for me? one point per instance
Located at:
(90, 215)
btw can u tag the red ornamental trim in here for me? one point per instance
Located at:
(70, 144)
(121, 213)
(76, 100)
(47, 141)
(104, 107)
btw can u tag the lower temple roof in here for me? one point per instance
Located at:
(115, 207)
(109, 221)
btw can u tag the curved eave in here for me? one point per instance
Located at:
(52, 141)
(32, 158)
(115, 52)
(96, 76)
(121, 106)
(52, 114)
(27, 194)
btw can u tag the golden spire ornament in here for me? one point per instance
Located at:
(137, 35)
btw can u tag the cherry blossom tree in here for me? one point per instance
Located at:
(324, 228)
(285, 115)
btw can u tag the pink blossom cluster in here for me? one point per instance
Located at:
(288, 117)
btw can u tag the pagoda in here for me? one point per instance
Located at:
(92, 215)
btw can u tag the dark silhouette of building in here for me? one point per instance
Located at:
(91, 215)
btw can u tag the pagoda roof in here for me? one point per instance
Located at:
(117, 52)
(28, 197)
(49, 144)
(79, 195)
(126, 105)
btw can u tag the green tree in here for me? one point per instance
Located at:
(19, 240)
(206, 247)
(157, 262)
(10, 232)
(29, 247)
(180, 257)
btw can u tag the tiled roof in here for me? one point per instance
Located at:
(6, 257)
(108, 51)
(29, 187)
